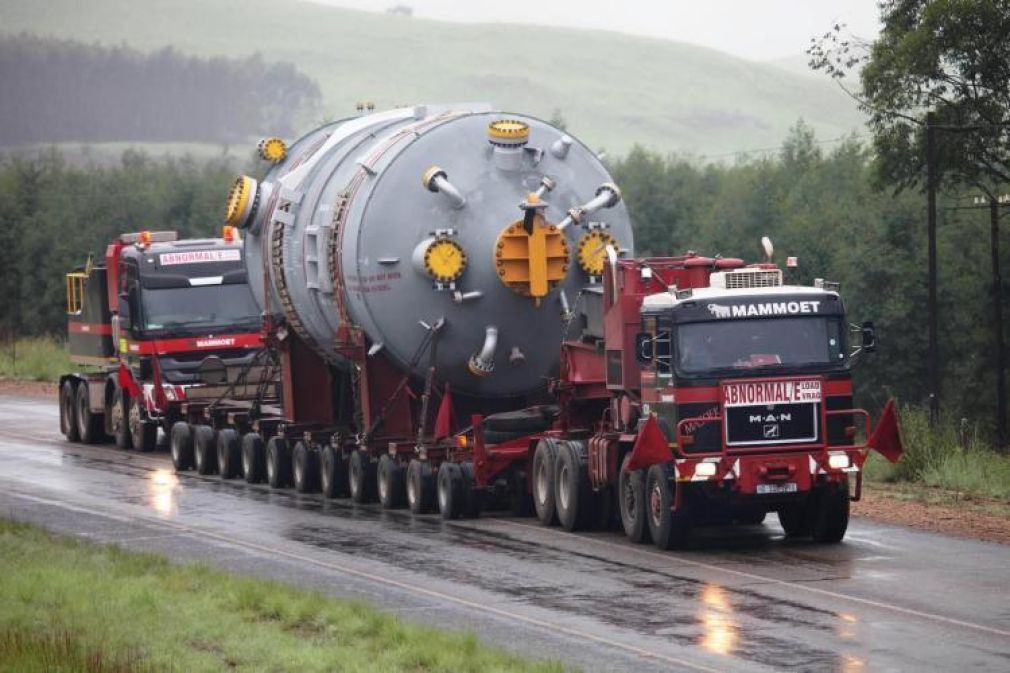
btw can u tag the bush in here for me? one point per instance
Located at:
(34, 359)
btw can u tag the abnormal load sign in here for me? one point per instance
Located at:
(199, 257)
(749, 393)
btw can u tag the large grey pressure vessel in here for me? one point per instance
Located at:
(377, 229)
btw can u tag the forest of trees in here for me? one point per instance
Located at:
(64, 91)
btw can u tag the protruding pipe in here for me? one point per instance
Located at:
(482, 363)
(436, 180)
(608, 195)
(460, 297)
(516, 356)
(566, 309)
(375, 348)
(546, 185)
(560, 147)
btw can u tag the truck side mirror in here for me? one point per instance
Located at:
(869, 337)
(643, 348)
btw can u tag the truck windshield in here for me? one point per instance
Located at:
(764, 343)
(199, 309)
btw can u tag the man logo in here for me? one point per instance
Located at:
(771, 431)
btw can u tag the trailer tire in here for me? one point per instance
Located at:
(449, 490)
(278, 462)
(118, 417)
(523, 422)
(544, 465)
(632, 503)
(361, 477)
(229, 454)
(389, 482)
(420, 486)
(90, 426)
(332, 473)
(669, 529)
(795, 518)
(143, 433)
(181, 446)
(205, 449)
(830, 517)
(573, 494)
(254, 459)
(305, 467)
(473, 498)
(68, 412)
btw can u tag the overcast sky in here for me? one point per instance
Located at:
(753, 29)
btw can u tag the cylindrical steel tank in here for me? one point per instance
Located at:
(378, 228)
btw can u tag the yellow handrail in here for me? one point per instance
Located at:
(75, 291)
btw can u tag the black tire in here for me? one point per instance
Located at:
(795, 518)
(473, 498)
(669, 529)
(751, 517)
(830, 516)
(229, 454)
(180, 445)
(143, 433)
(205, 449)
(390, 482)
(118, 417)
(254, 458)
(68, 412)
(333, 473)
(524, 421)
(632, 503)
(544, 463)
(449, 490)
(420, 486)
(90, 426)
(278, 463)
(361, 477)
(520, 499)
(305, 467)
(573, 495)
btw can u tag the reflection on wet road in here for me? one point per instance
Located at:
(740, 599)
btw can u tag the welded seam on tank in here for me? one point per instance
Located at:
(432, 593)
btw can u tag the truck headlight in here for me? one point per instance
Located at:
(705, 469)
(838, 461)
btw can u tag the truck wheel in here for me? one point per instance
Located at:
(573, 495)
(450, 490)
(332, 473)
(229, 454)
(68, 412)
(795, 518)
(143, 433)
(305, 467)
(830, 517)
(473, 498)
(389, 482)
(120, 428)
(544, 462)
(278, 463)
(254, 458)
(669, 529)
(90, 427)
(205, 449)
(631, 501)
(361, 477)
(751, 517)
(181, 446)
(420, 486)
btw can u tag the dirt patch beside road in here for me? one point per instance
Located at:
(44, 389)
(936, 510)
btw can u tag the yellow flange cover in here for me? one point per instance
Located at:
(272, 149)
(240, 201)
(531, 264)
(592, 251)
(445, 260)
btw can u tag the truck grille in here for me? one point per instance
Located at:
(749, 278)
(769, 424)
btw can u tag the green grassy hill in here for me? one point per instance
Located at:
(614, 90)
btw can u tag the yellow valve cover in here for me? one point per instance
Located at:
(445, 260)
(531, 264)
(239, 201)
(592, 251)
(273, 150)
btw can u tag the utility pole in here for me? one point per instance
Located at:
(933, 355)
(997, 315)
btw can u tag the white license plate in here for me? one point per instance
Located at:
(788, 487)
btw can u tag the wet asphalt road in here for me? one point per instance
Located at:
(888, 599)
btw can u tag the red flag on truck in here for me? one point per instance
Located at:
(651, 446)
(886, 439)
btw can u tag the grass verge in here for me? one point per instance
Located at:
(71, 605)
(34, 359)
